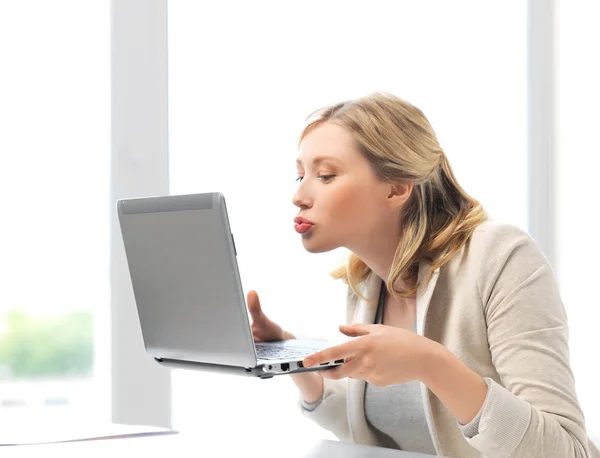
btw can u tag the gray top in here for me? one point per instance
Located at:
(395, 412)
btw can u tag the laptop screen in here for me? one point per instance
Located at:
(186, 283)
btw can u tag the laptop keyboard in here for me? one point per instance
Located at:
(273, 352)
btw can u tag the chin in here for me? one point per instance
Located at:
(315, 250)
(312, 247)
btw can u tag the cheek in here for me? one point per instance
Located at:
(351, 208)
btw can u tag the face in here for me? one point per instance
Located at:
(339, 192)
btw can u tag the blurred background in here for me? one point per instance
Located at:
(102, 100)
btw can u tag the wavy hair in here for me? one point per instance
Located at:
(400, 145)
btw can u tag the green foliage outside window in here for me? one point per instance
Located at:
(33, 346)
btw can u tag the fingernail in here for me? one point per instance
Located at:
(308, 362)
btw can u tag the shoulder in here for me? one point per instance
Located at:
(494, 232)
(503, 257)
(494, 243)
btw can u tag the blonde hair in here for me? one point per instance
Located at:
(401, 146)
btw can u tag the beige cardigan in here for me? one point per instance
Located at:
(497, 307)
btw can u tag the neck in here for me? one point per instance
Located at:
(378, 250)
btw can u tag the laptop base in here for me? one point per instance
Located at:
(230, 370)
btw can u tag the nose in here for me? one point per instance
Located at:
(300, 199)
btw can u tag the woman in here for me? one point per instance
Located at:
(460, 344)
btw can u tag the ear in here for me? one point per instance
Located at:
(399, 194)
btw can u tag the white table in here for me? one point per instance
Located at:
(184, 446)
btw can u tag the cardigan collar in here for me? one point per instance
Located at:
(370, 288)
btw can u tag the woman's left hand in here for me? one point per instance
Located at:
(382, 355)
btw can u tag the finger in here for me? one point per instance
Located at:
(356, 330)
(254, 305)
(348, 369)
(342, 351)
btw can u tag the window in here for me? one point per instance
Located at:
(54, 236)
(242, 79)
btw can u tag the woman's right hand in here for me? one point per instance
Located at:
(263, 329)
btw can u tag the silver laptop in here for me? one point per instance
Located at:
(192, 311)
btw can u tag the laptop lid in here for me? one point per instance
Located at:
(182, 263)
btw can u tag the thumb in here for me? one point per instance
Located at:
(356, 330)
(254, 305)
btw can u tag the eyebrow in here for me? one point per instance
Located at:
(317, 160)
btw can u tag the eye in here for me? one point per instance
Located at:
(326, 177)
(321, 177)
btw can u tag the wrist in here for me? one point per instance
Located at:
(456, 385)
(435, 363)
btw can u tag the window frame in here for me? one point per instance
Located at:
(140, 388)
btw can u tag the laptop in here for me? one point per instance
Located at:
(192, 311)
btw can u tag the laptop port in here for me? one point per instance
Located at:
(339, 361)
(285, 367)
(300, 364)
(324, 364)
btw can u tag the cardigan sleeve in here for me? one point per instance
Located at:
(330, 411)
(310, 406)
(534, 411)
